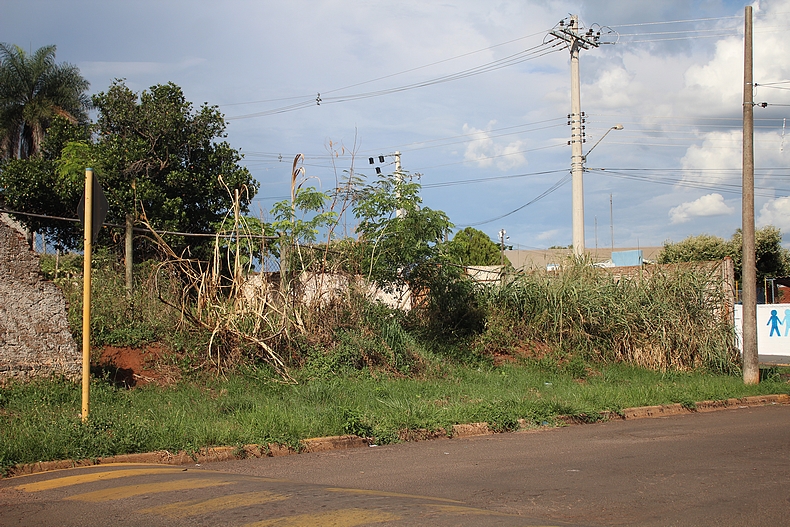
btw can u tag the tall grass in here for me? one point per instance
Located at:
(665, 319)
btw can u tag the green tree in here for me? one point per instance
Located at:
(398, 247)
(156, 151)
(701, 248)
(473, 247)
(33, 91)
(37, 185)
(772, 258)
(155, 154)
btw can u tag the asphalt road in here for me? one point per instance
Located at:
(723, 468)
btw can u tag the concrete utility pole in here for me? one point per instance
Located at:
(502, 234)
(576, 40)
(751, 368)
(399, 177)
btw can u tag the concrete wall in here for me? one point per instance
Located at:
(34, 333)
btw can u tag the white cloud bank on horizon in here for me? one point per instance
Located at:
(707, 205)
(777, 213)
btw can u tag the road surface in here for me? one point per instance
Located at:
(725, 468)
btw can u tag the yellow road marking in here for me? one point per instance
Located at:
(390, 494)
(128, 491)
(195, 507)
(93, 476)
(338, 518)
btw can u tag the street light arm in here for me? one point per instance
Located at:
(615, 127)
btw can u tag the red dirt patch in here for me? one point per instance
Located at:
(132, 367)
(530, 349)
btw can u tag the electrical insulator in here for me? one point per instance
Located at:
(381, 159)
(371, 160)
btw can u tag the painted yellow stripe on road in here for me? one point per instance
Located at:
(118, 493)
(338, 518)
(183, 509)
(390, 494)
(93, 476)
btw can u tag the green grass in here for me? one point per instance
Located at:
(40, 421)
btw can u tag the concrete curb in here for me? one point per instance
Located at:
(324, 444)
(644, 412)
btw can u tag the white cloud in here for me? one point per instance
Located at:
(719, 157)
(711, 161)
(614, 88)
(548, 235)
(718, 84)
(708, 205)
(484, 151)
(777, 213)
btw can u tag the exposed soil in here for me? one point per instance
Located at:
(130, 367)
(526, 350)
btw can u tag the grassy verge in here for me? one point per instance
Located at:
(40, 421)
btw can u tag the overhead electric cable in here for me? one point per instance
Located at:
(679, 21)
(310, 96)
(516, 58)
(557, 185)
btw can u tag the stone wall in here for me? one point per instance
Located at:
(34, 333)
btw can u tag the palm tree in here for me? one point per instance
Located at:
(34, 90)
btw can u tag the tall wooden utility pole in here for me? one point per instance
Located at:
(751, 368)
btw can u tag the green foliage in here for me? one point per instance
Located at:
(160, 156)
(662, 320)
(37, 185)
(117, 319)
(702, 248)
(772, 258)
(34, 90)
(311, 204)
(470, 247)
(398, 245)
(40, 420)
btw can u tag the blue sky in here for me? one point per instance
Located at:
(485, 144)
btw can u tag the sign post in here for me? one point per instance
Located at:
(86, 292)
(92, 210)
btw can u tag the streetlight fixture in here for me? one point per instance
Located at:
(578, 195)
(615, 127)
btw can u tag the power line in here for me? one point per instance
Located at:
(557, 185)
(491, 178)
(680, 21)
(516, 58)
(310, 96)
(734, 188)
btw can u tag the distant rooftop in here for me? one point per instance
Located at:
(541, 258)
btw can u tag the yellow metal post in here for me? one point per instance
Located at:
(86, 293)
